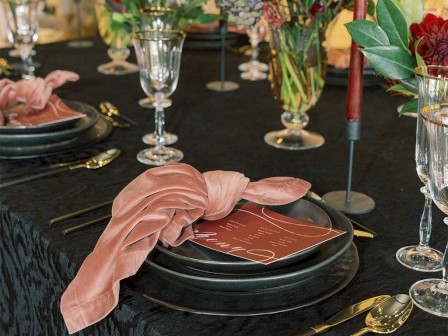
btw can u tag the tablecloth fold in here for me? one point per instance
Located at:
(160, 204)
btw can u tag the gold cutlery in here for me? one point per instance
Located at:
(85, 224)
(95, 162)
(78, 212)
(110, 110)
(363, 234)
(388, 315)
(345, 314)
(113, 122)
(5, 68)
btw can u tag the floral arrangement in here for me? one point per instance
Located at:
(126, 13)
(297, 79)
(400, 40)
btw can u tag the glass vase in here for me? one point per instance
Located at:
(118, 41)
(298, 63)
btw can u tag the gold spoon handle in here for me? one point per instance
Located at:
(32, 177)
(362, 331)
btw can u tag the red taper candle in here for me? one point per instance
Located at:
(355, 75)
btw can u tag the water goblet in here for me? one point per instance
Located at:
(431, 295)
(22, 22)
(422, 257)
(158, 56)
(254, 69)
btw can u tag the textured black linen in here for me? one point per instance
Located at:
(216, 131)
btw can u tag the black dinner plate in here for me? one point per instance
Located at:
(183, 297)
(200, 257)
(307, 209)
(256, 276)
(66, 130)
(100, 130)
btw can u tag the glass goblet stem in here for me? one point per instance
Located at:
(159, 122)
(255, 53)
(425, 221)
(422, 257)
(27, 63)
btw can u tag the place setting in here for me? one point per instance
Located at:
(240, 286)
(37, 122)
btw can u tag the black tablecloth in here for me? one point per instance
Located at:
(217, 131)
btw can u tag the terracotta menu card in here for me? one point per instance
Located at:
(55, 111)
(256, 233)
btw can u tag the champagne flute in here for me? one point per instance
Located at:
(157, 18)
(422, 257)
(431, 295)
(158, 55)
(22, 21)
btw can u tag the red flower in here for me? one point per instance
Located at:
(316, 8)
(272, 14)
(433, 47)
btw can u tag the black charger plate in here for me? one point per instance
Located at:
(179, 296)
(98, 132)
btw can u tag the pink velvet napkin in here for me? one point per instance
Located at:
(160, 204)
(34, 93)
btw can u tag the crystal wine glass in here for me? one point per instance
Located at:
(431, 295)
(422, 257)
(157, 18)
(254, 69)
(22, 22)
(117, 40)
(158, 55)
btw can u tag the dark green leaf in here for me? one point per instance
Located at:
(366, 33)
(391, 18)
(401, 89)
(410, 107)
(370, 8)
(390, 61)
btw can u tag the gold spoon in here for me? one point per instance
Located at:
(95, 162)
(388, 315)
(110, 110)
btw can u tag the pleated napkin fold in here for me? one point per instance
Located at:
(35, 92)
(160, 204)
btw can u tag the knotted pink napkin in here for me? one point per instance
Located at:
(35, 93)
(161, 203)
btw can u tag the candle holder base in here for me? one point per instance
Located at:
(359, 203)
(222, 86)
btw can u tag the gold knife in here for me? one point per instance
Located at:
(345, 315)
(360, 233)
